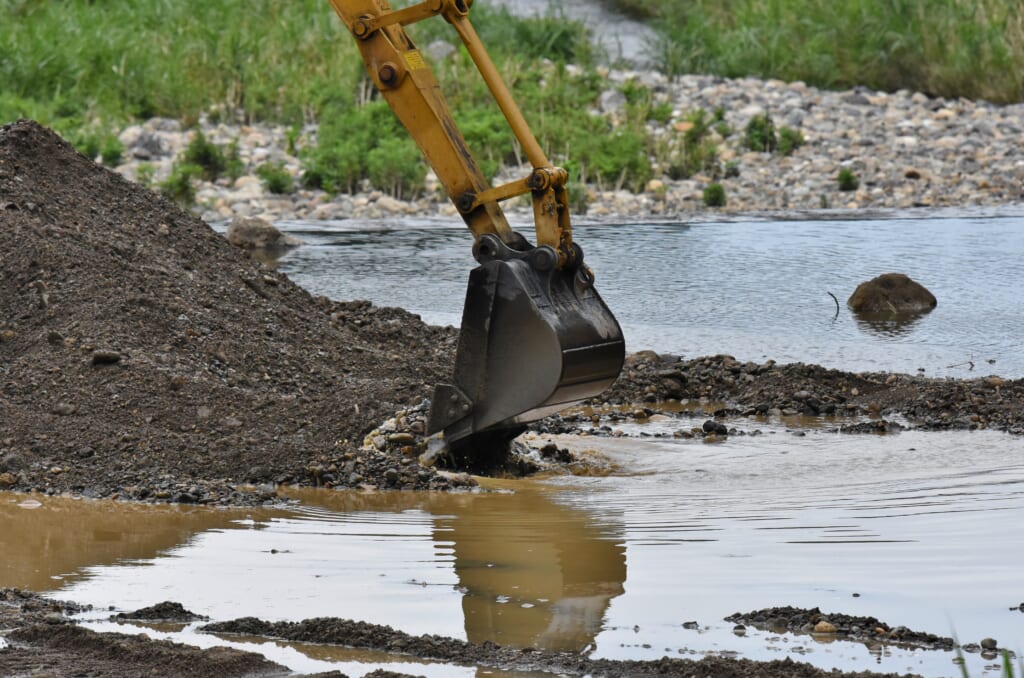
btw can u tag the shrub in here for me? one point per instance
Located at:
(620, 157)
(760, 134)
(395, 166)
(714, 195)
(848, 181)
(206, 155)
(789, 140)
(111, 151)
(234, 165)
(278, 180)
(364, 142)
(85, 142)
(579, 199)
(692, 152)
(180, 186)
(144, 174)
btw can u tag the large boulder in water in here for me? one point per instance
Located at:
(253, 233)
(893, 293)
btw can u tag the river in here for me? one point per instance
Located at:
(754, 289)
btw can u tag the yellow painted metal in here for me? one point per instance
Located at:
(460, 21)
(399, 71)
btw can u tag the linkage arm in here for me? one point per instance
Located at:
(399, 71)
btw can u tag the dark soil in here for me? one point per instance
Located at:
(161, 612)
(863, 629)
(143, 357)
(798, 620)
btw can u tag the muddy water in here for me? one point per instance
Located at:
(928, 529)
(753, 289)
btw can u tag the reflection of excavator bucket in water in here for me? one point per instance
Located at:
(535, 335)
(534, 338)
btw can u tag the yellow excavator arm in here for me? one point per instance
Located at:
(535, 334)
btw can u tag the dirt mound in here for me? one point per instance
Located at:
(166, 611)
(143, 356)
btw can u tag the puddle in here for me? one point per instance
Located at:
(925, 528)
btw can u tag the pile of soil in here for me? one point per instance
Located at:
(143, 357)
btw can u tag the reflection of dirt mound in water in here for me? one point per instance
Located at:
(138, 349)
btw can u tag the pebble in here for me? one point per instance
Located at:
(824, 626)
(105, 357)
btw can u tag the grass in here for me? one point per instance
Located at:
(87, 69)
(950, 48)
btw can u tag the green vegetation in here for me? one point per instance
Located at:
(144, 174)
(847, 180)
(279, 181)
(125, 60)
(760, 135)
(951, 48)
(364, 142)
(789, 140)
(207, 156)
(714, 195)
(691, 151)
(181, 185)
(111, 151)
(87, 69)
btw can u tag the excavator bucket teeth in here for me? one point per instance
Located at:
(534, 339)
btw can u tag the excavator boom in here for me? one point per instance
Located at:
(536, 336)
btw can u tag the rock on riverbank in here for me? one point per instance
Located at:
(908, 150)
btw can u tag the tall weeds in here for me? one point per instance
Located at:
(968, 48)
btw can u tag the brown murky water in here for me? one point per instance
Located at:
(926, 528)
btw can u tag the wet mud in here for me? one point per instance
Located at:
(142, 357)
(372, 636)
(850, 627)
(42, 641)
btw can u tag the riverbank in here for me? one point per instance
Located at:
(904, 150)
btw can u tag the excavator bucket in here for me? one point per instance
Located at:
(535, 338)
